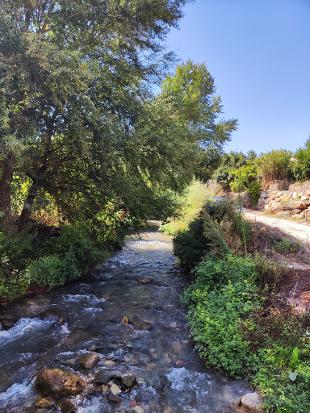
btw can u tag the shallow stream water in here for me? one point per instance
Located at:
(128, 311)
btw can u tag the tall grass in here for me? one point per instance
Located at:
(191, 204)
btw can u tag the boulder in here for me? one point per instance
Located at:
(109, 377)
(252, 403)
(7, 323)
(44, 402)
(128, 380)
(59, 382)
(114, 398)
(114, 393)
(115, 389)
(68, 406)
(89, 360)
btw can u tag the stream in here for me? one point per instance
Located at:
(129, 312)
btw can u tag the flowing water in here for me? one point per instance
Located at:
(128, 311)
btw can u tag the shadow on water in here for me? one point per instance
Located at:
(129, 311)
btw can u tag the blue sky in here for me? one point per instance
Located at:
(258, 51)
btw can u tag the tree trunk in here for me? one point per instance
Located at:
(27, 208)
(6, 177)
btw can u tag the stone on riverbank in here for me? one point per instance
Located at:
(128, 380)
(251, 403)
(114, 393)
(125, 379)
(89, 360)
(44, 402)
(68, 406)
(59, 382)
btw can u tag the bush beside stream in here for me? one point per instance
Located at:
(32, 261)
(237, 321)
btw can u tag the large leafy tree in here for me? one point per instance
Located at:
(72, 81)
(78, 118)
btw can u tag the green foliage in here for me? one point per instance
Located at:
(218, 229)
(90, 132)
(274, 165)
(216, 273)
(245, 179)
(229, 163)
(282, 391)
(221, 296)
(236, 319)
(301, 163)
(84, 142)
(189, 207)
(35, 259)
(13, 286)
(235, 230)
(202, 237)
(286, 246)
(208, 161)
(269, 274)
(76, 241)
(52, 270)
(232, 332)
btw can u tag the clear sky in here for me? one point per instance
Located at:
(258, 51)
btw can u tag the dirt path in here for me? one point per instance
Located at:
(296, 288)
(295, 229)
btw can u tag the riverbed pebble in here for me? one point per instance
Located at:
(89, 360)
(68, 406)
(251, 402)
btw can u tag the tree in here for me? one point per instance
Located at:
(301, 163)
(76, 99)
(191, 95)
(72, 81)
(274, 165)
(230, 162)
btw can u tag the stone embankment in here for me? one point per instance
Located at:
(282, 198)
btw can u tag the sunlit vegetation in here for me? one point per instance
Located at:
(239, 172)
(188, 206)
(87, 149)
(238, 323)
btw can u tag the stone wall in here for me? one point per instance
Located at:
(292, 201)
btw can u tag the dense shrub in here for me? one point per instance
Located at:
(301, 163)
(52, 270)
(245, 179)
(218, 229)
(238, 321)
(283, 378)
(215, 273)
(234, 332)
(286, 246)
(230, 162)
(76, 240)
(202, 237)
(275, 165)
(189, 207)
(269, 274)
(13, 285)
(35, 258)
(235, 230)
(221, 296)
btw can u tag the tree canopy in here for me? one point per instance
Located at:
(79, 120)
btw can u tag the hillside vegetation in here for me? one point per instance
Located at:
(239, 172)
